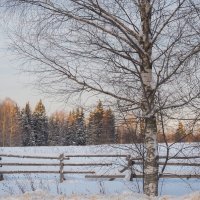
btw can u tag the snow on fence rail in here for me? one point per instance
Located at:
(131, 162)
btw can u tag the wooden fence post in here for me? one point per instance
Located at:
(131, 162)
(1, 175)
(61, 167)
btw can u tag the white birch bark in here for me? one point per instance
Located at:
(151, 159)
(151, 146)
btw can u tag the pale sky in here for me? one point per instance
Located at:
(17, 85)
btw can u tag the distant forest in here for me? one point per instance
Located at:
(27, 127)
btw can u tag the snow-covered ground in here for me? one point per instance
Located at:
(42, 195)
(78, 187)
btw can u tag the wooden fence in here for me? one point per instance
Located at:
(130, 163)
(61, 158)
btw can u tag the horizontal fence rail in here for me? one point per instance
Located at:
(93, 164)
(96, 155)
(105, 176)
(46, 172)
(56, 164)
(27, 156)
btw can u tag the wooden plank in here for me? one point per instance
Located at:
(181, 164)
(61, 168)
(173, 176)
(96, 155)
(179, 157)
(88, 164)
(47, 172)
(27, 156)
(30, 164)
(31, 172)
(188, 176)
(180, 176)
(171, 158)
(173, 164)
(79, 172)
(105, 176)
(56, 164)
(136, 158)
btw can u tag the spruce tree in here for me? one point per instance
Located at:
(95, 125)
(70, 136)
(27, 126)
(91, 129)
(53, 137)
(40, 125)
(57, 129)
(108, 127)
(80, 132)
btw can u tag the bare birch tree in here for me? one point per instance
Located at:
(142, 53)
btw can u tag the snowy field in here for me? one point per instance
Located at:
(41, 195)
(47, 186)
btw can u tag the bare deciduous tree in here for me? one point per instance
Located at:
(142, 53)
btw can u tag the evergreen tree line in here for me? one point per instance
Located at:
(74, 129)
(24, 127)
(34, 128)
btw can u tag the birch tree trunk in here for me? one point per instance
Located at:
(151, 159)
(150, 131)
(151, 145)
